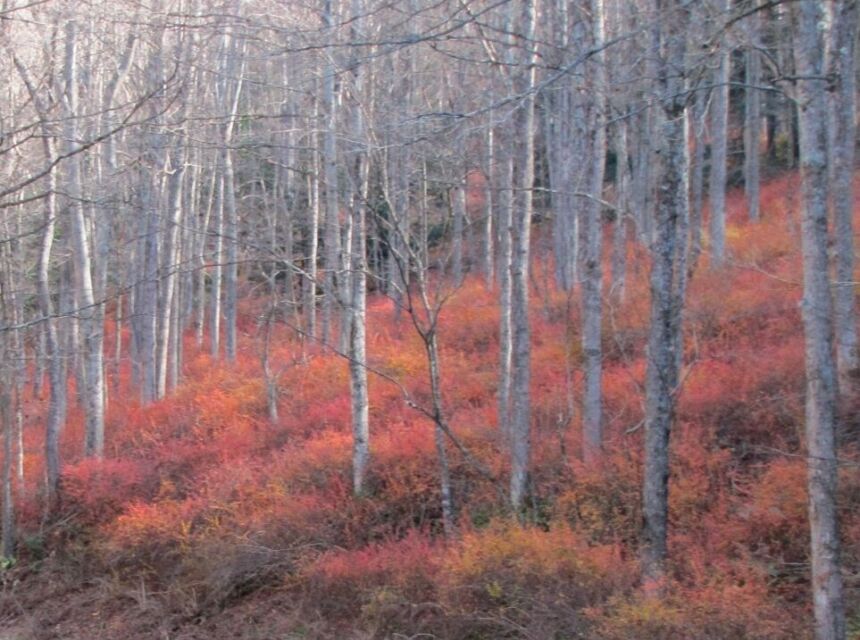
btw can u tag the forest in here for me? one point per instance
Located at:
(429, 319)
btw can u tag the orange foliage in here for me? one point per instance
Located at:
(204, 474)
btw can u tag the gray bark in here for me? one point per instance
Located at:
(817, 311)
(667, 282)
(697, 175)
(358, 276)
(458, 206)
(506, 213)
(592, 265)
(488, 246)
(89, 318)
(520, 426)
(332, 256)
(234, 83)
(752, 124)
(622, 204)
(844, 38)
(719, 149)
(217, 270)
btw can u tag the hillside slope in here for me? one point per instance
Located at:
(209, 520)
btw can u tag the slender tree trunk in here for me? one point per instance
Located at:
(358, 275)
(697, 175)
(506, 213)
(313, 225)
(719, 149)
(592, 282)
(203, 233)
(332, 222)
(8, 517)
(169, 294)
(622, 203)
(8, 385)
(844, 38)
(817, 311)
(668, 283)
(752, 125)
(93, 336)
(458, 206)
(521, 237)
(446, 491)
(217, 270)
(231, 219)
(488, 247)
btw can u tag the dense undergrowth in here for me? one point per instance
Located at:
(208, 520)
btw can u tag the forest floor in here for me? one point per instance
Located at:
(208, 520)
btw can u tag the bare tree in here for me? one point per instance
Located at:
(817, 311)
(668, 279)
(520, 424)
(719, 145)
(844, 128)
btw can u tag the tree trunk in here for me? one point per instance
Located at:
(358, 278)
(844, 39)
(622, 204)
(592, 277)
(93, 336)
(752, 125)
(668, 284)
(817, 311)
(506, 217)
(488, 227)
(521, 335)
(457, 196)
(332, 211)
(719, 149)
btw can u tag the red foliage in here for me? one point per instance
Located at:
(204, 473)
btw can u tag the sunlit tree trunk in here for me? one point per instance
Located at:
(169, 295)
(357, 327)
(520, 426)
(92, 332)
